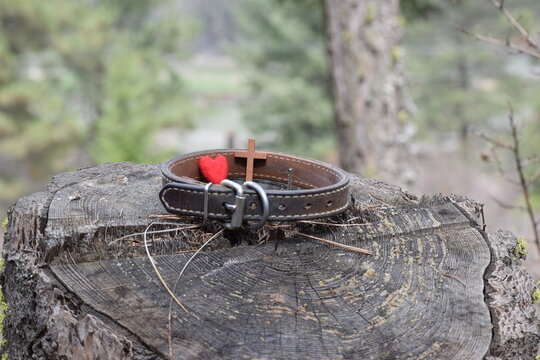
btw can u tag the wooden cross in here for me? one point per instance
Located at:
(250, 155)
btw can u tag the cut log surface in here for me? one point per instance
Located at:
(79, 285)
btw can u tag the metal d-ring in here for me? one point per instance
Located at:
(237, 209)
(264, 204)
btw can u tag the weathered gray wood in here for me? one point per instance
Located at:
(74, 292)
(508, 289)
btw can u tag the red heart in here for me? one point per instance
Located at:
(214, 169)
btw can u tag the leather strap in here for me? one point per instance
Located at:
(320, 189)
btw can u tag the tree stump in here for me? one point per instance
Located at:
(79, 285)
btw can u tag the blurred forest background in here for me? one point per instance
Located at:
(90, 81)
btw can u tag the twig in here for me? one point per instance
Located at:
(492, 141)
(153, 262)
(534, 177)
(495, 41)
(530, 161)
(484, 225)
(498, 162)
(330, 242)
(213, 237)
(500, 169)
(512, 20)
(507, 206)
(522, 182)
(521, 173)
(533, 50)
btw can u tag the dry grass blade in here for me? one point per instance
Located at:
(333, 243)
(330, 224)
(153, 262)
(170, 216)
(521, 173)
(278, 226)
(213, 237)
(71, 257)
(129, 237)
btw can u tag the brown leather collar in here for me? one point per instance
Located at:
(318, 189)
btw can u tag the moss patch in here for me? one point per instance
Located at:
(397, 53)
(521, 247)
(371, 13)
(535, 296)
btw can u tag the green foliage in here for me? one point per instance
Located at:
(80, 77)
(132, 111)
(521, 250)
(290, 106)
(36, 122)
(5, 222)
(414, 9)
(457, 82)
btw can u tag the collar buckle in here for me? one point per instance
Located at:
(238, 208)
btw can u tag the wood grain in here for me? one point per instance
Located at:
(78, 285)
(419, 296)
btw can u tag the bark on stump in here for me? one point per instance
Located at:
(436, 286)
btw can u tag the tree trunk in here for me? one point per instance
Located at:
(79, 285)
(371, 109)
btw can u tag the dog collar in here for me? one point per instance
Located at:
(284, 188)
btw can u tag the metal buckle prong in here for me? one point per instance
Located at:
(239, 205)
